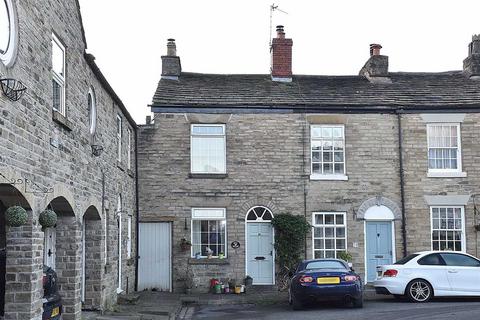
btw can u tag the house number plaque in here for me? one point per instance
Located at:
(235, 244)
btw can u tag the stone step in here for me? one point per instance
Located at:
(261, 289)
(128, 299)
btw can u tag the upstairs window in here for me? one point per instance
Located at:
(92, 112)
(58, 75)
(327, 152)
(129, 148)
(444, 151)
(208, 153)
(119, 138)
(8, 32)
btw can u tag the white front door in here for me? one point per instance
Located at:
(155, 251)
(260, 255)
(49, 252)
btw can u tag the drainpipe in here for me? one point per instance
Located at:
(402, 182)
(304, 141)
(137, 218)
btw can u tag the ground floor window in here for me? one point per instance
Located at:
(209, 232)
(448, 228)
(329, 234)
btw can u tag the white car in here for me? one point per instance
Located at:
(422, 275)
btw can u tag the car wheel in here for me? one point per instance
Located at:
(357, 303)
(296, 304)
(419, 291)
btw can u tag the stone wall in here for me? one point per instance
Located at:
(36, 147)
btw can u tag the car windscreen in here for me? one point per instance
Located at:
(406, 259)
(327, 264)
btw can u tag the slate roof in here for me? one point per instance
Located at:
(409, 90)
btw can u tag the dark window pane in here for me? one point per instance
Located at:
(459, 260)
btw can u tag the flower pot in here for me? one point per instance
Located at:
(248, 281)
(218, 288)
(238, 289)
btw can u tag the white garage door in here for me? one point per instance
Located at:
(155, 250)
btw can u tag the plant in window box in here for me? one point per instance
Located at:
(16, 216)
(185, 245)
(47, 219)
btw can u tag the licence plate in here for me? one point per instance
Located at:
(55, 311)
(328, 280)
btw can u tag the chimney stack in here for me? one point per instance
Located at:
(471, 65)
(376, 68)
(281, 52)
(171, 67)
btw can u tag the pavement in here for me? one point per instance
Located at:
(152, 305)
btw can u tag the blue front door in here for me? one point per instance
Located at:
(260, 260)
(379, 246)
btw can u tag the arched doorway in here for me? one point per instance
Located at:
(10, 196)
(260, 255)
(379, 239)
(92, 241)
(62, 250)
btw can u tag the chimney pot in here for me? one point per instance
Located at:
(280, 32)
(148, 120)
(471, 65)
(375, 49)
(171, 48)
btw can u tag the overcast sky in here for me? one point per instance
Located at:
(330, 37)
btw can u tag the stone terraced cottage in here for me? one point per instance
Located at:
(67, 144)
(381, 164)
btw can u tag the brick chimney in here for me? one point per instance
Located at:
(281, 52)
(471, 65)
(171, 67)
(376, 68)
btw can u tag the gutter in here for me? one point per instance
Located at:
(402, 184)
(137, 218)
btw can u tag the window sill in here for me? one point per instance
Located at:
(208, 175)
(205, 261)
(338, 177)
(62, 120)
(446, 174)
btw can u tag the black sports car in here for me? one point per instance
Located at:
(325, 280)
(52, 301)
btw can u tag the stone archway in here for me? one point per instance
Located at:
(20, 270)
(66, 248)
(92, 259)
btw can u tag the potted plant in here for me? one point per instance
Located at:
(248, 280)
(185, 245)
(344, 255)
(16, 216)
(47, 219)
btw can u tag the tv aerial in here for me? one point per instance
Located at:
(273, 8)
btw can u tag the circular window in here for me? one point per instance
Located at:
(8, 32)
(92, 112)
(259, 214)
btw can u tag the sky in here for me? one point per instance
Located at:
(330, 37)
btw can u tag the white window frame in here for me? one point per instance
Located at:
(220, 217)
(323, 176)
(58, 78)
(8, 57)
(129, 236)
(119, 244)
(462, 213)
(119, 138)
(92, 113)
(446, 172)
(224, 135)
(314, 225)
(129, 148)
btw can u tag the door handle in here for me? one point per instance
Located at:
(259, 258)
(452, 271)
